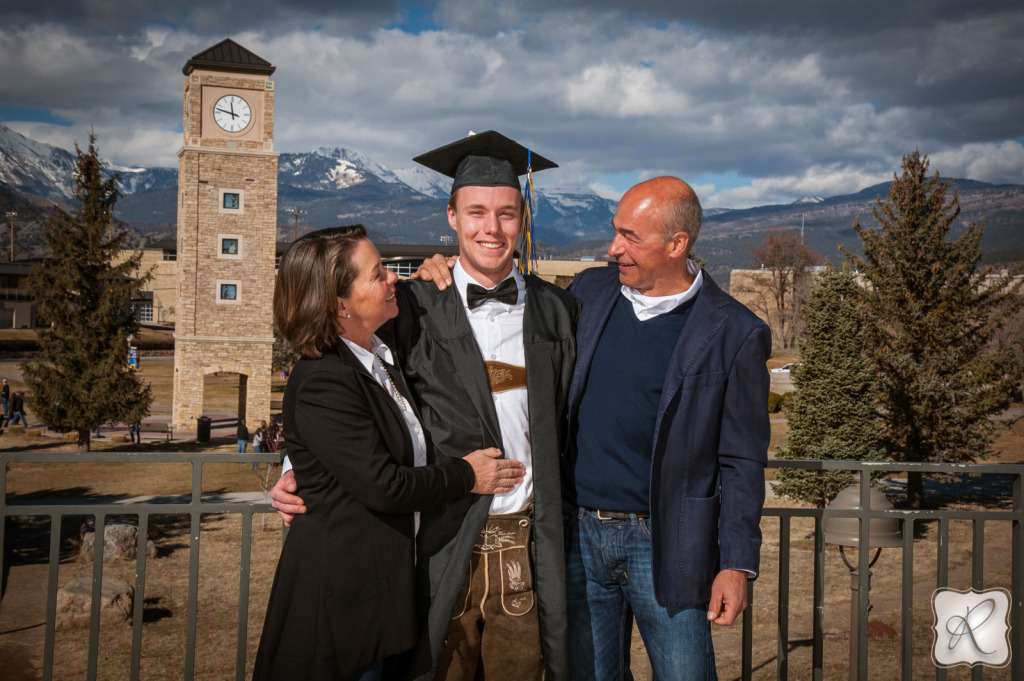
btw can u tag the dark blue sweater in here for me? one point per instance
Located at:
(619, 409)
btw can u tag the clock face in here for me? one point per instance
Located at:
(232, 113)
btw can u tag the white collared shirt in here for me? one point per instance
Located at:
(369, 361)
(498, 329)
(647, 307)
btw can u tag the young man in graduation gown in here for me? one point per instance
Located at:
(489, 360)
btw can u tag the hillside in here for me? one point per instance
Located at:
(332, 186)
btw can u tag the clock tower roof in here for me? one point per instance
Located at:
(227, 55)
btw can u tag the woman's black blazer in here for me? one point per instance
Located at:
(343, 593)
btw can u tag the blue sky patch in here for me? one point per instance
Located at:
(31, 114)
(727, 180)
(416, 17)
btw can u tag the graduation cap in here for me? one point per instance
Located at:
(487, 159)
(490, 159)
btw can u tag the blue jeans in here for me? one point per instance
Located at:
(609, 580)
(242, 444)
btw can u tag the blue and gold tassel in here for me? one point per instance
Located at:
(527, 258)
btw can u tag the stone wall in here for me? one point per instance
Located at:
(194, 359)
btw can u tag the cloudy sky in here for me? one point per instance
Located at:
(753, 102)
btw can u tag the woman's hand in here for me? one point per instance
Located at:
(494, 475)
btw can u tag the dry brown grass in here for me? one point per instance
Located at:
(22, 612)
(165, 598)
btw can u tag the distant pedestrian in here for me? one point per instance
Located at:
(243, 437)
(135, 432)
(257, 444)
(5, 396)
(272, 432)
(17, 407)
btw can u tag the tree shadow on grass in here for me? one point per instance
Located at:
(153, 611)
(27, 537)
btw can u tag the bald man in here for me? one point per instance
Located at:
(668, 439)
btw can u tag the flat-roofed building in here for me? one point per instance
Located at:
(17, 310)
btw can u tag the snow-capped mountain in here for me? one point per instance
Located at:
(328, 186)
(139, 180)
(579, 214)
(327, 169)
(35, 168)
(332, 186)
(426, 182)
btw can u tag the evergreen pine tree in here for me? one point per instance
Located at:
(283, 358)
(933, 313)
(832, 416)
(81, 378)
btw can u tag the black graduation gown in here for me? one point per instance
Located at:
(446, 373)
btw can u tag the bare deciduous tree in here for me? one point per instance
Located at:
(778, 289)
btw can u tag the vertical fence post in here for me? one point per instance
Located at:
(782, 647)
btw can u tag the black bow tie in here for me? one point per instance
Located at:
(506, 292)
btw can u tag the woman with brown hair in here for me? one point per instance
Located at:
(342, 603)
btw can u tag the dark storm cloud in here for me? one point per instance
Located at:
(791, 17)
(211, 17)
(793, 98)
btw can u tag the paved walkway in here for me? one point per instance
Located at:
(222, 429)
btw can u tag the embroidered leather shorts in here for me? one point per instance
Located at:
(504, 547)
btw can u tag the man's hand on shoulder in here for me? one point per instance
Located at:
(437, 269)
(728, 597)
(286, 503)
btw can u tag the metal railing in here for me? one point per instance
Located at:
(195, 506)
(909, 521)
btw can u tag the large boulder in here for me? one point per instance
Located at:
(74, 603)
(120, 538)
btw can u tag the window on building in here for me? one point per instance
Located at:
(232, 201)
(228, 291)
(146, 313)
(403, 268)
(230, 246)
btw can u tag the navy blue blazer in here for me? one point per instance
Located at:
(710, 441)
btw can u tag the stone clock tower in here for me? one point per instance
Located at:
(227, 231)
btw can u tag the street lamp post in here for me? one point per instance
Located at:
(296, 212)
(882, 533)
(11, 215)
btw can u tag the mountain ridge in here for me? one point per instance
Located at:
(336, 185)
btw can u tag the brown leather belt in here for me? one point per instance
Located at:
(615, 515)
(504, 376)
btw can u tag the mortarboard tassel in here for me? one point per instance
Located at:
(527, 259)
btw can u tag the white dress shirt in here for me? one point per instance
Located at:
(498, 329)
(646, 307)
